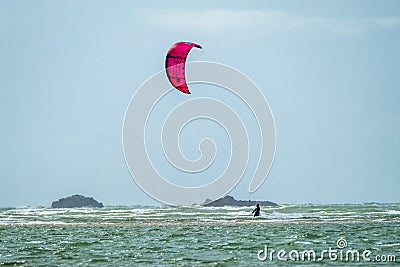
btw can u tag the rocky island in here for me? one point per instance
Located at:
(76, 201)
(230, 201)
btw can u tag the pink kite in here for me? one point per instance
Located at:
(175, 64)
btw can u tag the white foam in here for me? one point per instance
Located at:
(285, 216)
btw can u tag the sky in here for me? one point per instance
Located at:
(330, 71)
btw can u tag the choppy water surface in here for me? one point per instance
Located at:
(169, 236)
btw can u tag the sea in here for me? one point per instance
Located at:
(332, 235)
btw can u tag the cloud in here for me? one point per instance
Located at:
(267, 21)
(219, 19)
(388, 22)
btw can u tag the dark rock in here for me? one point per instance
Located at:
(76, 201)
(230, 201)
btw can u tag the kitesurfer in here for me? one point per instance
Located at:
(256, 211)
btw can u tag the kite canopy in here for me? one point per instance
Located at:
(175, 64)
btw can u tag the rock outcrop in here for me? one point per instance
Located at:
(230, 201)
(76, 201)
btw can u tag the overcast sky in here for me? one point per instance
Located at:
(330, 71)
